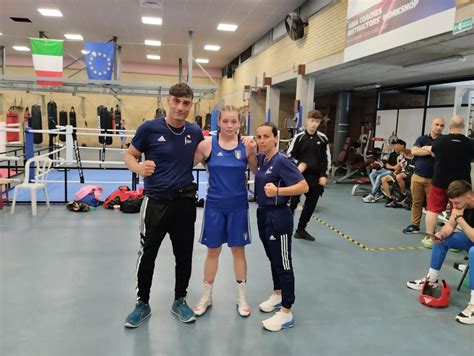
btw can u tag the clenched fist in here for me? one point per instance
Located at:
(271, 190)
(147, 168)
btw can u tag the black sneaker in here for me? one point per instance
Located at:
(411, 229)
(389, 203)
(304, 235)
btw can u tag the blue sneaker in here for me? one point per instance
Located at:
(183, 311)
(411, 229)
(136, 317)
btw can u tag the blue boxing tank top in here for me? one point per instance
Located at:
(227, 177)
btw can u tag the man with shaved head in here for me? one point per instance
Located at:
(423, 173)
(453, 154)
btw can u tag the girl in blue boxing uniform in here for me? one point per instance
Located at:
(276, 180)
(226, 210)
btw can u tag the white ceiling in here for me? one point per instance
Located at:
(100, 20)
(387, 68)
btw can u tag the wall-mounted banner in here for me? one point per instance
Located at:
(378, 25)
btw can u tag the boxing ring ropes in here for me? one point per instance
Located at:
(69, 162)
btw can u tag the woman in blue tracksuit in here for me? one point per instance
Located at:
(276, 179)
(226, 212)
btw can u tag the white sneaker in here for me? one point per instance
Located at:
(369, 199)
(272, 303)
(279, 321)
(418, 284)
(467, 315)
(205, 301)
(242, 306)
(379, 196)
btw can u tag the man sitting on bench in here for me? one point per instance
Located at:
(462, 198)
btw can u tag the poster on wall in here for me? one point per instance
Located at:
(378, 25)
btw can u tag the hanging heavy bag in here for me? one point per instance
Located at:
(111, 113)
(110, 126)
(62, 122)
(102, 121)
(12, 118)
(52, 117)
(36, 123)
(207, 124)
(118, 118)
(72, 117)
(26, 118)
(198, 120)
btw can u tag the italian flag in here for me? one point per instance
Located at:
(47, 59)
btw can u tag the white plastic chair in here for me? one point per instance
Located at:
(42, 167)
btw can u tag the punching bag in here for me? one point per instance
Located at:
(26, 118)
(36, 123)
(12, 118)
(62, 122)
(118, 118)
(111, 114)
(72, 117)
(198, 120)
(104, 121)
(207, 124)
(52, 117)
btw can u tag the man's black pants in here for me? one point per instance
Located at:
(157, 218)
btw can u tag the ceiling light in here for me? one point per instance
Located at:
(70, 36)
(152, 20)
(153, 57)
(1, 33)
(368, 87)
(212, 47)
(152, 43)
(445, 60)
(202, 60)
(227, 27)
(84, 52)
(50, 12)
(21, 48)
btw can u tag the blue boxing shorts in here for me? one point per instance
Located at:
(225, 226)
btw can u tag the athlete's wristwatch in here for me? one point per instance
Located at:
(457, 217)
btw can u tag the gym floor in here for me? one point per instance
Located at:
(68, 283)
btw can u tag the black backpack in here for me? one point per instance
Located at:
(131, 205)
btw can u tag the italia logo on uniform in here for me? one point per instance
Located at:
(238, 154)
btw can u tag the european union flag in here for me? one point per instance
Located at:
(99, 59)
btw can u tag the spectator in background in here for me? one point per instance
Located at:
(377, 175)
(400, 174)
(453, 154)
(423, 173)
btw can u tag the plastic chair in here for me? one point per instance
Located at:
(42, 168)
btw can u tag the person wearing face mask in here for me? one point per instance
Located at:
(311, 152)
